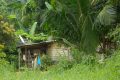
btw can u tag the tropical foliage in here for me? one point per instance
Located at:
(89, 27)
(87, 23)
(7, 38)
(6, 32)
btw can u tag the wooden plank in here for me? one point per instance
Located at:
(26, 56)
(19, 53)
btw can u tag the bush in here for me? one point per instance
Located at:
(13, 59)
(64, 64)
(89, 60)
(45, 62)
(81, 57)
(77, 55)
(3, 61)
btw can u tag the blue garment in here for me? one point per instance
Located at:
(38, 60)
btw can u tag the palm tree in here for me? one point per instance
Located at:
(83, 24)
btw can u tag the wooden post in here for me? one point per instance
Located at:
(19, 52)
(26, 56)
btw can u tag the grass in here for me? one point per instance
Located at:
(110, 70)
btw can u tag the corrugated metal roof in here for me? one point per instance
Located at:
(35, 44)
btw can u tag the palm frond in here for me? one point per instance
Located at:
(85, 6)
(49, 6)
(89, 38)
(107, 15)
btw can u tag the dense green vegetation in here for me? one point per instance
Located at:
(89, 27)
(110, 70)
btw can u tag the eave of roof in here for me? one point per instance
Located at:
(35, 44)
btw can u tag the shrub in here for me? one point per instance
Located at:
(45, 62)
(3, 61)
(61, 65)
(81, 57)
(64, 64)
(77, 55)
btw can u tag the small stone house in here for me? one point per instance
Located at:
(28, 52)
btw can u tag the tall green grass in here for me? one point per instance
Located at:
(109, 70)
